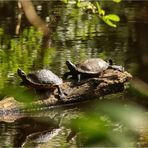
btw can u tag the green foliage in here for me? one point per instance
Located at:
(22, 94)
(100, 11)
(22, 51)
(110, 124)
(110, 19)
(78, 3)
(65, 1)
(95, 8)
(117, 1)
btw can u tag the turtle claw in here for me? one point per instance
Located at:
(60, 93)
(61, 97)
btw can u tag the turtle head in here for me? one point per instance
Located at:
(116, 67)
(21, 73)
(23, 76)
(71, 66)
(110, 62)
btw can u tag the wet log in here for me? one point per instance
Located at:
(111, 81)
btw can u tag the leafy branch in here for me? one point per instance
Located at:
(109, 19)
(95, 8)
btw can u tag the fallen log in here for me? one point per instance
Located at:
(111, 81)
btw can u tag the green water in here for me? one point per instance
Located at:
(75, 36)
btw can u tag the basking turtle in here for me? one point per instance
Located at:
(41, 80)
(89, 68)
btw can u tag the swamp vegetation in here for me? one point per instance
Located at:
(44, 34)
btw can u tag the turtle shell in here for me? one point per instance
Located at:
(92, 66)
(42, 81)
(39, 79)
(44, 76)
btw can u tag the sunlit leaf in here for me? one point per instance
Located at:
(100, 11)
(117, 1)
(78, 3)
(113, 17)
(108, 22)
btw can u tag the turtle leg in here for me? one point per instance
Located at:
(66, 75)
(60, 93)
(79, 77)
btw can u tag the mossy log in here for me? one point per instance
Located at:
(111, 81)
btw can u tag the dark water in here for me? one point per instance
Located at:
(75, 36)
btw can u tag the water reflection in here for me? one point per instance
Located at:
(31, 128)
(28, 130)
(39, 128)
(75, 36)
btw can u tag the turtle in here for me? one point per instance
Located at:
(41, 80)
(92, 67)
